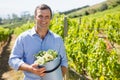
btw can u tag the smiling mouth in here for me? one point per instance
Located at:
(44, 23)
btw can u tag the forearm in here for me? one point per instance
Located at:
(33, 69)
(64, 70)
(25, 67)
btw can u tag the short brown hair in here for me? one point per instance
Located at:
(43, 7)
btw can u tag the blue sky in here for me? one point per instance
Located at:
(19, 6)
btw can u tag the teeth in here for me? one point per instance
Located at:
(43, 22)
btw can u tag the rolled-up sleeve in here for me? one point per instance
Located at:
(15, 59)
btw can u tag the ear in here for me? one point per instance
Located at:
(35, 18)
(51, 16)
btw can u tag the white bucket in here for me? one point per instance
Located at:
(53, 70)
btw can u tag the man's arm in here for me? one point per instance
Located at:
(33, 69)
(64, 70)
(64, 61)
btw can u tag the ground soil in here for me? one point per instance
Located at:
(6, 72)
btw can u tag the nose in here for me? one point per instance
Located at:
(43, 18)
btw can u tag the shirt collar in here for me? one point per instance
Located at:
(33, 32)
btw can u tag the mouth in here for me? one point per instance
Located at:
(43, 23)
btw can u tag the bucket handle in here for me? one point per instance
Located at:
(48, 71)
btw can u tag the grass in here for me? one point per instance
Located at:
(99, 14)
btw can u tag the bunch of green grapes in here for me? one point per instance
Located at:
(45, 56)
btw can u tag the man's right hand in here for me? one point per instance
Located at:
(38, 71)
(33, 69)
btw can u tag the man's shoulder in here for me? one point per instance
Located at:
(55, 35)
(26, 33)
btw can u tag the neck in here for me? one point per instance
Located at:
(41, 32)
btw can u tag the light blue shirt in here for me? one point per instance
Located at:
(29, 43)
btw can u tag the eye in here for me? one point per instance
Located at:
(40, 16)
(43, 17)
(47, 17)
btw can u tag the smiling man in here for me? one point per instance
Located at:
(30, 42)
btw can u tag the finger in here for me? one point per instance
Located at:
(41, 70)
(35, 65)
(43, 74)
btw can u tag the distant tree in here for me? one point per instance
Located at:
(15, 17)
(103, 7)
(9, 19)
(86, 13)
(113, 3)
(0, 20)
(25, 15)
(91, 10)
(118, 2)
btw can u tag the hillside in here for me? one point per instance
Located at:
(87, 10)
(99, 14)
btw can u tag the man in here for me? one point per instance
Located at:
(34, 40)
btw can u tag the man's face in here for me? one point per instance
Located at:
(42, 18)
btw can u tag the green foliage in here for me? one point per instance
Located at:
(4, 34)
(57, 24)
(23, 28)
(87, 50)
(113, 3)
(85, 44)
(103, 7)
